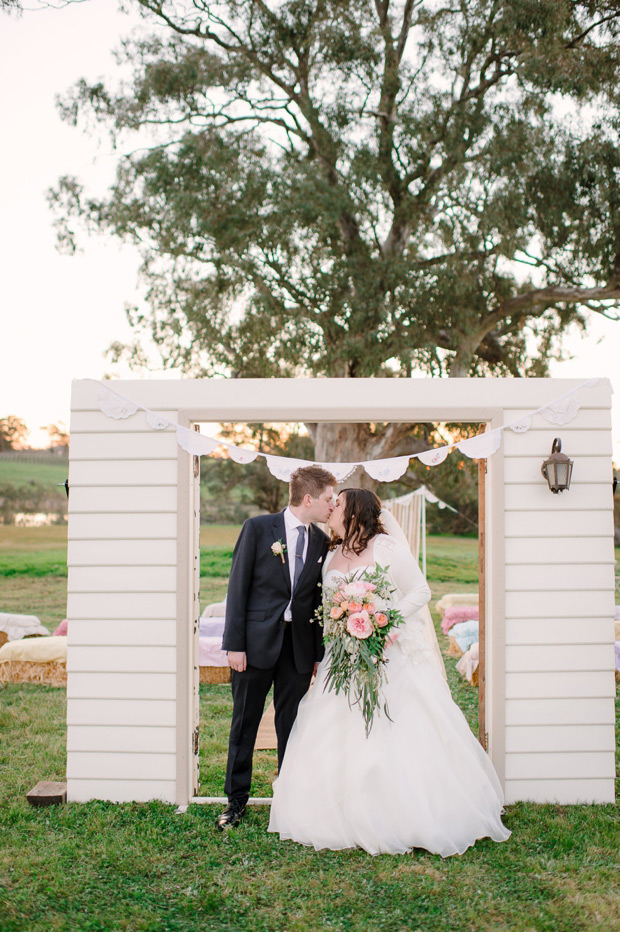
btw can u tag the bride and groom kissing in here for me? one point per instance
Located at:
(417, 777)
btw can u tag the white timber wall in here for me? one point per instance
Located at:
(131, 604)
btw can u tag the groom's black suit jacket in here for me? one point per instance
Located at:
(260, 589)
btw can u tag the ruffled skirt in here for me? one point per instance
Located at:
(421, 780)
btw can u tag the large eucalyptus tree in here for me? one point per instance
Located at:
(354, 188)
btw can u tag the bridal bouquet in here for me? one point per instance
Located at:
(357, 619)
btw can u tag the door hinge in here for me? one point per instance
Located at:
(196, 741)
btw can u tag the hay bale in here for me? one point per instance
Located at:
(454, 649)
(23, 671)
(214, 675)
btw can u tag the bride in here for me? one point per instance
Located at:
(420, 779)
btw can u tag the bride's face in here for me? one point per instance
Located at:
(336, 519)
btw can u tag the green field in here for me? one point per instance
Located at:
(101, 867)
(45, 473)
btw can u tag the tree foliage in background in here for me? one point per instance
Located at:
(13, 433)
(345, 188)
(231, 492)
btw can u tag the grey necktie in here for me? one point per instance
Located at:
(299, 554)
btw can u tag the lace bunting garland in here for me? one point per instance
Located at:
(559, 412)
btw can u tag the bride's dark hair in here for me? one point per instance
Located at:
(361, 518)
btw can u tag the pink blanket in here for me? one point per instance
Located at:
(458, 613)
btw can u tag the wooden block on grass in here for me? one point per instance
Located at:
(47, 793)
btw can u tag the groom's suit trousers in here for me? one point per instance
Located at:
(249, 691)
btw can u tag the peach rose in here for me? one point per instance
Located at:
(359, 625)
(381, 619)
(355, 606)
(336, 612)
(370, 607)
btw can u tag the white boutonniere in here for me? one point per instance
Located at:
(278, 548)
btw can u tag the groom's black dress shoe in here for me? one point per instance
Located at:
(231, 816)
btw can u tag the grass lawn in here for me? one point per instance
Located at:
(101, 867)
(49, 474)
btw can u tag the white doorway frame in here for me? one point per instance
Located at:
(549, 563)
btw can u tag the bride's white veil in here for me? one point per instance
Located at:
(393, 528)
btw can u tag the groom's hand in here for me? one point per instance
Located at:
(237, 660)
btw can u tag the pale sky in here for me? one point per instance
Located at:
(60, 313)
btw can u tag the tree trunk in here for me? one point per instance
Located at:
(346, 443)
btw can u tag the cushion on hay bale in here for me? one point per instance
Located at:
(457, 614)
(35, 650)
(211, 653)
(456, 598)
(468, 664)
(35, 660)
(20, 626)
(216, 608)
(465, 633)
(212, 627)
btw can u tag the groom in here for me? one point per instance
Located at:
(272, 594)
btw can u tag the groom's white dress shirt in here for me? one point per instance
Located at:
(291, 524)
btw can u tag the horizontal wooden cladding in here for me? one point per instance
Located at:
(130, 632)
(121, 791)
(540, 577)
(564, 792)
(530, 523)
(553, 738)
(122, 579)
(526, 469)
(530, 632)
(122, 526)
(160, 713)
(122, 553)
(84, 473)
(121, 685)
(145, 659)
(523, 550)
(574, 442)
(556, 658)
(587, 418)
(154, 445)
(124, 499)
(560, 765)
(123, 738)
(88, 422)
(106, 605)
(84, 765)
(574, 711)
(560, 604)
(541, 686)
(537, 497)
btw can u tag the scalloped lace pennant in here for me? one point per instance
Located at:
(115, 405)
(481, 446)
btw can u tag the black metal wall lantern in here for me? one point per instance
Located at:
(558, 468)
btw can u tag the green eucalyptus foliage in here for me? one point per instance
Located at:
(345, 188)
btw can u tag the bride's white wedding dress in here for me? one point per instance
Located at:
(421, 780)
